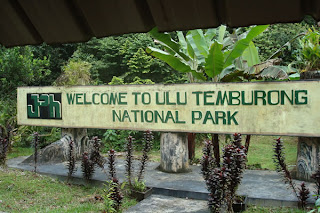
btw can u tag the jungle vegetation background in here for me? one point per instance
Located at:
(114, 60)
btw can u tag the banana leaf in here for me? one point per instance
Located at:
(215, 60)
(241, 45)
(174, 62)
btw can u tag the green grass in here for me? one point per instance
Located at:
(20, 151)
(30, 192)
(261, 151)
(256, 209)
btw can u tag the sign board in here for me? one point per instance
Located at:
(269, 108)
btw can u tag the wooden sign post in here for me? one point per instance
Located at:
(267, 108)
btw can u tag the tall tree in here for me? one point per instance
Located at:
(19, 67)
(119, 56)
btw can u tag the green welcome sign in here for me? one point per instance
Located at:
(270, 108)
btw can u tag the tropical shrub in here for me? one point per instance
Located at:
(87, 167)
(310, 53)
(137, 183)
(301, 193)
(35, 144)
(147, 146)
(277, 36)
(223, 181)
(95, 155)
(129, 159)
(71, 165)
(204, 53)
(4, 146)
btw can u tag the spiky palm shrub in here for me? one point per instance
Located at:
(147, 146)
(207, 161)
(223, 181)
(301, 193)
(116, 194)
(217, 185)
(95, 155)
(234, 160)
(111, 164)
(129, 159)
(281, 166)
(87, 167)
(35, 144)
(4, 145)
(71, 166)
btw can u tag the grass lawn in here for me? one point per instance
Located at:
(30, 192)
(20, 151)
(261, 151)
(256, 209)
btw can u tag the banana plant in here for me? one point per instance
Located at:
(205, 53)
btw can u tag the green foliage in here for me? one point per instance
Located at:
(124, 56)
(275, 37)
(138, 80)
(310, 52)
(116, 139)
(204, 53)
(57, 55)
(23, 136)
(20, 151)
(109, 190)
(23, 191)
(139, 186)
(19, 67)
(116, 81)
(139, 63)
(75, 73)
(8, 119)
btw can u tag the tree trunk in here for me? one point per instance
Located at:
(248, 138)
(216, 148)
(192, 145)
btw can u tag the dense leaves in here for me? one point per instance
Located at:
(222, 182)
(147, 146)
(87, 167)
(4, 145)
(275, 37)
(124, 57)
(129, 159)
(301, 193)
(71, 165)
(205, 54)
(19, 67)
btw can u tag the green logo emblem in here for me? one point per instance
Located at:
(44, 106)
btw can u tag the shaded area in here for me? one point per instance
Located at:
(33, 22)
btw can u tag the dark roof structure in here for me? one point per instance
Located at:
(62, 21)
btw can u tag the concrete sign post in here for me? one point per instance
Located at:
(268, 108)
